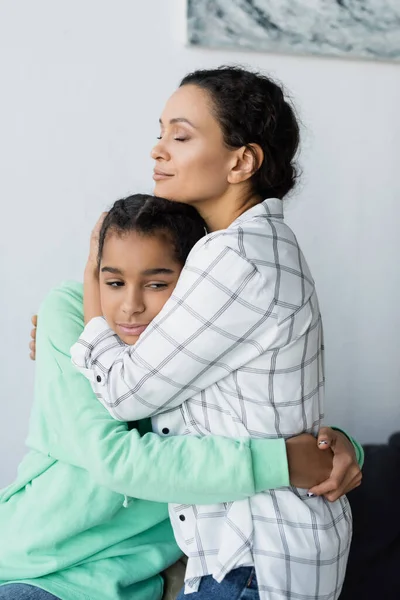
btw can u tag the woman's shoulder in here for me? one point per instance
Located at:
(259, 239)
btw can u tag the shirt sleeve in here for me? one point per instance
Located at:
(182, 469)
(221, 316)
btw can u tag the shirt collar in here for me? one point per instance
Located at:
(272, 208)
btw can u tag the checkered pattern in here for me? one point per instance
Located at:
(237, 351)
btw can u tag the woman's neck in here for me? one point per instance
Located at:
(222, 212)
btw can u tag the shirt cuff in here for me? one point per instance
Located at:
(270, 465)
(95, 332)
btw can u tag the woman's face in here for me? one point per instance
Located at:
(192, 162)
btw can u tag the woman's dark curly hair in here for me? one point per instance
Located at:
(150, 215)
(252, 109)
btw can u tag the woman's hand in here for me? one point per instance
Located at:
(92, 262)
(92, 308)
(32, 343)
(91, 286)
(326, 466)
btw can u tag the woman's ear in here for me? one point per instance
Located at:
(248, 160)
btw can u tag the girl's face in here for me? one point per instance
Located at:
(138, 273)
(192, 161)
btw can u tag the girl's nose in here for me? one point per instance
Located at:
(133, 304)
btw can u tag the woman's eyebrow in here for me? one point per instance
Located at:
(179, 120)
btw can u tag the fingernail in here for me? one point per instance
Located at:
(323, 443)
(310, 494)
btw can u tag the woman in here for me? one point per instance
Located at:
(76, 432)
(238, 349)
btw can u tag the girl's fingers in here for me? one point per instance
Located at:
(324, 439)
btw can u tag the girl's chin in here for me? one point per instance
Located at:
(129, 340)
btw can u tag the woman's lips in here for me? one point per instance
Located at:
(160, 175)
(132, 329)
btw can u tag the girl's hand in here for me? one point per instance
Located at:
(326, 466)
(308, 466)
(346, 473)
(32, 343)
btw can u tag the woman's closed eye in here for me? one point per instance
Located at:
(176, 138)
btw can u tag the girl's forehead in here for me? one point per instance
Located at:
(137, 249)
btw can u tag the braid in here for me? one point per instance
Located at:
(150, 214)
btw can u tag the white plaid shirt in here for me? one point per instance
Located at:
(236, 351)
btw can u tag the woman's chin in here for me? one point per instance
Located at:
(164, 189)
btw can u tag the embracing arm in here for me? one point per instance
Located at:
(222, 315)
(180, 469)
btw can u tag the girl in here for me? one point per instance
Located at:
(237, 350)
(69, 527)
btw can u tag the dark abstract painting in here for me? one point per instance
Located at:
(358, 28)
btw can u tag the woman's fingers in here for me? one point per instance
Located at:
(94, 239)
(32, 343)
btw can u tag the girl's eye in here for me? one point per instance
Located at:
(157, 286)
(115, 284)
(159, 137)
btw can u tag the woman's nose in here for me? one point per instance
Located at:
(159, 151)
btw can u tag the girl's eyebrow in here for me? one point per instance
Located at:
(113, 270)
(158, 271)
(179, 120)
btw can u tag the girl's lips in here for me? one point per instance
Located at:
(132, 329)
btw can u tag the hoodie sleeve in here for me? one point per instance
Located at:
(181, 469)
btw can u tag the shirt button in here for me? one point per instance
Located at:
(98, 379)
(182, 518)
(165, 431)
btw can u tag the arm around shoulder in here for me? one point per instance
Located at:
(181, 469)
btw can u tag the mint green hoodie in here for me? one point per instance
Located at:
(86, 517)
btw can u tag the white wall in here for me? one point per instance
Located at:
(82, 86)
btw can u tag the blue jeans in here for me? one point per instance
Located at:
(239, 584)
(21, 591)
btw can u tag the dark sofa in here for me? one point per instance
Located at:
(373, 571)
